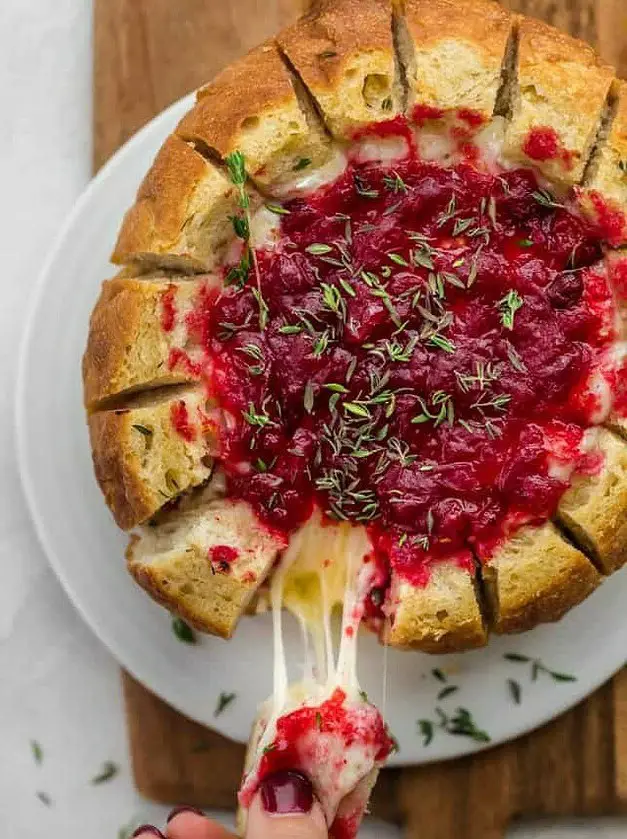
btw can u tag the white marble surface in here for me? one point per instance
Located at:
(59, 686)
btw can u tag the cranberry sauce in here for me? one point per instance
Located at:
(350, 725)
(408, 355)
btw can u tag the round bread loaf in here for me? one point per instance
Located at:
(376, 275)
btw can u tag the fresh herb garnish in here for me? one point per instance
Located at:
(318, 248)
(143, 430)
(515, 691)
(277, 209)
(224, 700)
(236, 165)
(44, 798)
(545, 199)
(537, 667)
(426, 728)
(447, 691)
(109, 770)
(303, 163)
(183, 631)
(509, 305)
(37, 752)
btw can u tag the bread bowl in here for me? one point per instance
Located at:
(395, 166)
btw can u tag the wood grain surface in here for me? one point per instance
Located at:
(148, 53)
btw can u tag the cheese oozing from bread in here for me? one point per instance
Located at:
(324, 566)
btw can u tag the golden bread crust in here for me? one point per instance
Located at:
(181, 217)
(344, 53)
(253, 107)
(457, 55)
(535, 577)
(140, 459)
(594, 510)
(443, 616)
(127, 348)
(562, 87)
(174, 563)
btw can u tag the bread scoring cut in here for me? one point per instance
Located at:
(594, 509)
(135, 330)
(181, 561)
(558, 102)
(181, 219)
(344, 53)
(534, 577)
(254, 107)
(605, 186)
(149, 451)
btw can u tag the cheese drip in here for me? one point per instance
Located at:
(325, 566)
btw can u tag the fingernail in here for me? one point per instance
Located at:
(286, 792)
(184, 809)
(148, 830)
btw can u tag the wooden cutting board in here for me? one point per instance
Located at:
(148, 53)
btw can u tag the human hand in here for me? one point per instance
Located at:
(284, 808)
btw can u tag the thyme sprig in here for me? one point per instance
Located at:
(236, 165)
(509, 305)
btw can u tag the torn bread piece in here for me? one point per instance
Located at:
(558, 103)
(140, 336)
(181, 219)
(535, 577)
(453, 56)
(442, 616)
(254, 107)
(336, 740)
(604, 194)
(205, 562)
(344, 53)
(151, 450)
(594, 509)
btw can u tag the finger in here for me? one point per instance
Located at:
(187, 823)
(286, 808)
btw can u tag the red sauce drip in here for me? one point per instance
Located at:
(178, 359)
(361, 725)
(475, 119)
(544, 144)
(397, 127)
(611, 219)
(168, 309)
(345, 827)
(223, 556)
(179, 417)
(425, 113)
(619, 279)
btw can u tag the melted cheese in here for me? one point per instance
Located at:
(307, 182)
(323, 568)
(380, 150)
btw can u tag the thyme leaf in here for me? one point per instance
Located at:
(224, 700)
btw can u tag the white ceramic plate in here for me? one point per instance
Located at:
(86, 549)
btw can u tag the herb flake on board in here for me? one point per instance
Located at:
(224, 700)
(183, 631)
(538, 667)
(108, 771)
(37, 752)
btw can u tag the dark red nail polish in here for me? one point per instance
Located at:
(149, 829)
(286, 792)
(184, 809)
